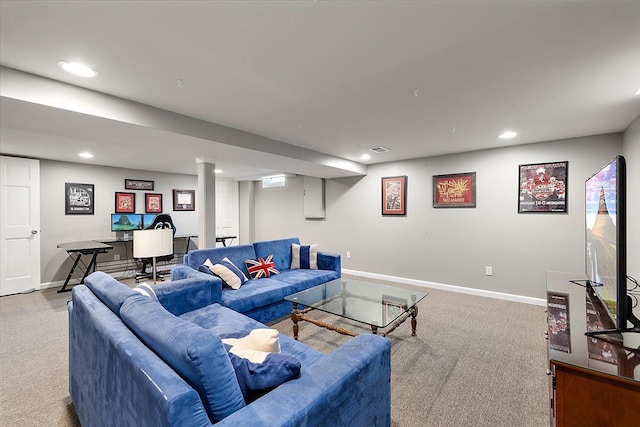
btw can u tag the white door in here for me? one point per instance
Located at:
(19, 225)
(227, 210)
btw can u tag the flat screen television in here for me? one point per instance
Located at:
(605, 243)
(147, 220)
(126, 222)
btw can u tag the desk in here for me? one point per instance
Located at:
(223, 239)
(87, 247)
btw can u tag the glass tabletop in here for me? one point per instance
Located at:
(371, 303)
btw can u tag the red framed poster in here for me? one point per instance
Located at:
(454, 190)
(394, 195)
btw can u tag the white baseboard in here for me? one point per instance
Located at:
(451, 288)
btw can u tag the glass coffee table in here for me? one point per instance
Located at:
(380, 306)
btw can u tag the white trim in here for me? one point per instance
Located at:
(451, 288)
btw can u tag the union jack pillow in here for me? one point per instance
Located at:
(263, 267)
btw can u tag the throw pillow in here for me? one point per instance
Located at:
(146, 290)
(258, 339)
(231, 275)
(304, 256)
(259, 371)
(262, 267)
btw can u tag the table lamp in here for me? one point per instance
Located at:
(152, 243)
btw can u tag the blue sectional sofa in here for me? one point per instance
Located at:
(261, 299)
(139, 361)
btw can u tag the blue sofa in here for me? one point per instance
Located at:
(137, 361)
(261, 299)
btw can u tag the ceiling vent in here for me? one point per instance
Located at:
(379, 149)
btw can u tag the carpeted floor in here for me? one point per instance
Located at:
(474, 362)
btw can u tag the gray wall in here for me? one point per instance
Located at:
(631, 152)
(56, 227)
(449, 246)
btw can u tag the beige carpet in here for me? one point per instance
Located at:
(474, 362)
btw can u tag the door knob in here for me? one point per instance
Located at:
(34, 231)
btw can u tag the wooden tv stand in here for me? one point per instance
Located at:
(593, 381)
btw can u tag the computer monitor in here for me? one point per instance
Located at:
(147, 220)
(126, 222)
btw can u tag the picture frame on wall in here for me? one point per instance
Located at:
(125, 202)
(153, 202)
(543, 187)
(394, 195)
(184, 200)
(456, 190)
(79, 199)
(138, 184)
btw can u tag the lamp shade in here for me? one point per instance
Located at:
(152, 242)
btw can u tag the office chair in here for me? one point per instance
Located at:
(160, 221)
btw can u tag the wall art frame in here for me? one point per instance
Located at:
(78, 198)
(394, 195)
(138, 184)
(153, 202)
(184, 200)
(457, 190)
(125, 202)
(543, 187)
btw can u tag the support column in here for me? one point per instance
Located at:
(247, 213)
(206, 205)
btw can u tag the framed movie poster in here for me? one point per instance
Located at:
(184, 200)
(78, 199)
(394, 195)
(455, 190)
(125, 202)
(543, 187)
(153, 202)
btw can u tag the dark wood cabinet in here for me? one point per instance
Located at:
(594, 381)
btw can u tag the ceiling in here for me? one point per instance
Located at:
(259, 87)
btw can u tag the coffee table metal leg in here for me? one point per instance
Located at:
(414, 322)
(295, 317)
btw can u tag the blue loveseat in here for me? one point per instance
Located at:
(261, 299)
(137, 361)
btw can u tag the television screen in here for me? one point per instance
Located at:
(147, 220)
(126, 222)
(605, 237)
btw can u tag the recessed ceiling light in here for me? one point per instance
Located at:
(78, 69)
(507, 135)
(217, 171)
(365, 157)
(86, 155)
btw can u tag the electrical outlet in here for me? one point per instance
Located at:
(116, 257)
(348, 255)
(489, 271)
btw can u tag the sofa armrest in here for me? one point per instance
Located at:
(188, 291)
(329, 261)
(351, 386)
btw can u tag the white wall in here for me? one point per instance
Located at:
(449, 246)
(631, 152)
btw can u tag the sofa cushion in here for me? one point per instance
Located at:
(262, 267)
(257, 293)
(280, 249)
(261, 339)
(304, 279)
(260, 371)
(108, 290)
(304, 256)
(231, 275)
(195, 353)
(236, 254)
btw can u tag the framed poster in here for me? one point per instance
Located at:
(78, 199)
(138, 184)
(394, 195)
(543, 187)
(454, 190)
(184, 200)
(392, 308)
(153, 202)
(125, 202)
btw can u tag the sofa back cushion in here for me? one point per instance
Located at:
(108, 290)
(280, 249)
(236, 254)
(195, 353)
